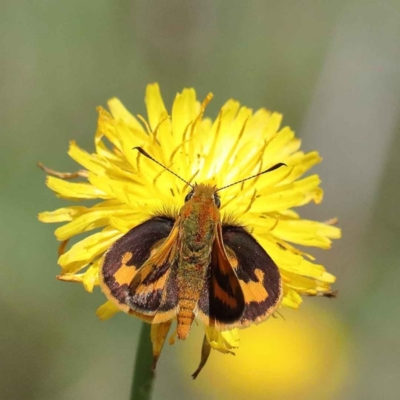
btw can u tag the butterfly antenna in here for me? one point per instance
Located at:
(141, 151)
(276, 166)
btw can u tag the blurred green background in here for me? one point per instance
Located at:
(332, 69)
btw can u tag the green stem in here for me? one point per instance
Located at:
(143, 374)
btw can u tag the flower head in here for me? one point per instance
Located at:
(131, 190)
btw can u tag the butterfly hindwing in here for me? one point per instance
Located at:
(243, 285)
(258, 275)
(221, 301)
(135, 272)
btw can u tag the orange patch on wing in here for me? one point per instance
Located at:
(254, 291)
(224, 296)
(125, 274)
(231, 258)
(158, 284)
(165, 249)
(126, 257)
(154, 317)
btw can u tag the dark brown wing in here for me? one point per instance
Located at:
(136, 269)
(221, 301)
(258, 275)
(240, 261)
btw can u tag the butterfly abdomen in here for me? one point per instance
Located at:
(185, 316)
(190, 281)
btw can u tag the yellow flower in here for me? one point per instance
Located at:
(131, 189)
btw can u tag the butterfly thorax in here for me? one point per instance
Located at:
(198, 219)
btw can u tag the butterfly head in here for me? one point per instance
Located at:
(203, 193)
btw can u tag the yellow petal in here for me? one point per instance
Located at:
(119, 189)
(303, 284)
(280, 198)
(300, 164)
(273, 125)
(85, 251)
(156, 110)
(103, 151)
(93, 218)
(291, 298)
(76, 278)
(184, 110)
(62, 214)
(258, 121)
(71, 190)
(106, 127)
(276, 148)
(107, 310)
(223, 341)
(288, 261)
(306, 233)
(119, 111)
(90, 161)
(91, 276)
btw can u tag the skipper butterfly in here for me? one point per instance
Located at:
(192, 267)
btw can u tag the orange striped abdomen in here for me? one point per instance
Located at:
(190, 282)
(185, 316)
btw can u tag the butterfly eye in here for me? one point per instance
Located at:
(188, 196)
(217, 200)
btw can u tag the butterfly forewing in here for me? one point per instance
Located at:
(136, 269)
